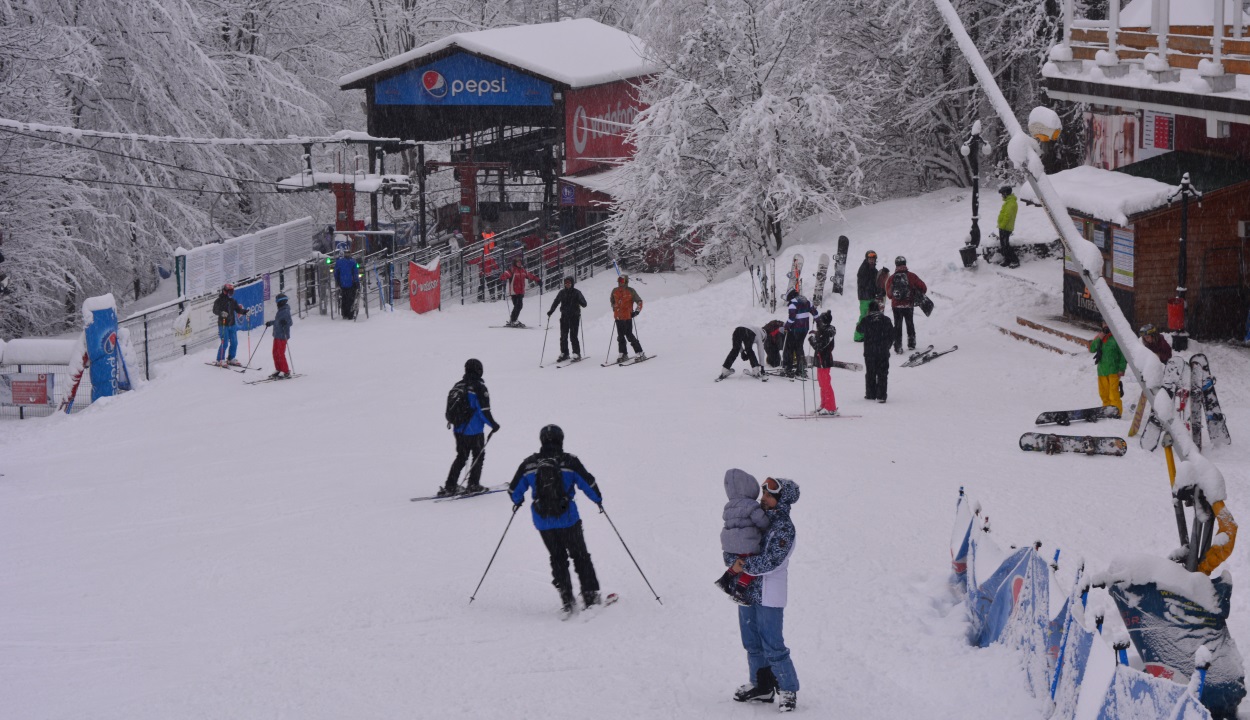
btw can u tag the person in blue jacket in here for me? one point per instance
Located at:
(346, 270)
(469, 436)
(760, 621)
(554, 476)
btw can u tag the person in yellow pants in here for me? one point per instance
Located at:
(1111, 365)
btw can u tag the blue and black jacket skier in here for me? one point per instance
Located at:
(800, 314)
(346, 270)
(554, 477)
(227, 310)
(470, 438)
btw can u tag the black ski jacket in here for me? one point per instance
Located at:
(225, 307)
(570, 301)
(822, 342)
(866, 281)
(878, 334)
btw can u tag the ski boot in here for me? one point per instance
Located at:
(762, 691)
(568, 608)
(445, 491)
(831, 413)
(234, 363)
(726, 372)
(275, 376)
(591, 599)
(562, 358)
(577, 356)
(474, 488)
(622, 358)
(755, 372)
(788, 700)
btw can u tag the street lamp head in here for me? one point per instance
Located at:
(1044, 124)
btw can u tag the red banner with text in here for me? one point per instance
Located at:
(424, 291)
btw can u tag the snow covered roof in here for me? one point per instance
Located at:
(576, 53)
(605, 182)
(1105, 194)
(1182, 12)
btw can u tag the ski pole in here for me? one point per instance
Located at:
(544, 352)
(582, 327)
(492, 555)
(476, 459)
(631, 555)
(249, 357)
(290, 355)
(608, 354)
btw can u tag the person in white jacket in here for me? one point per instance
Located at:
(768, 659)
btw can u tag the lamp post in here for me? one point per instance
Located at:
(973, 148)
(1176, 306)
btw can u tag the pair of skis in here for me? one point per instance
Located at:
(628, 361)
(762, 376)
(921, 357)
(236, 368)
(273, 379)
(1201, 403)
(463, 494)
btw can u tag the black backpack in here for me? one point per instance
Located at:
(459, 411)
(900, 287)
(550, 497)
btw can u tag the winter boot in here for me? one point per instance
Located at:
(762, 691)
(726, 582)
(726, 372)
(788, 700)
(563, 357)
(568, 608)
(623, 357)
(591, 598)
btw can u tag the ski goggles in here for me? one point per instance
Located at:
(772, 486)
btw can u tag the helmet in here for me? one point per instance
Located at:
(623, 279)
(280, 298)
(792, 295)
(1148, 329)
(1004, 190)
(227, 288)
(900, 260)
(473, 366)
(551, 436)
(870, 255)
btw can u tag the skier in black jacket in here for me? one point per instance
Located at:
(570, 301)
(878, 334)
(866, 286)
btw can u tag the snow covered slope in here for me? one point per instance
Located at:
(202, 548)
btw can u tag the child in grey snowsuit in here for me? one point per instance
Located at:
(745, 523)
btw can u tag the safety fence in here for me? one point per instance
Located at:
(468, 275)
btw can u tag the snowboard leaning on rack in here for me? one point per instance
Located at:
(795, 276)
(1086, 444)
(1138, 414)
(839, 263)
(1064, 417)
(1202, 395)
(822, 273)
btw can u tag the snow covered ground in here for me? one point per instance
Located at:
(202, 548)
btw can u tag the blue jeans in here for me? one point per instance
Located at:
(229, 335)
(761, 636)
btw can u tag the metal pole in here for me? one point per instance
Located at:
(972, 150)
(421, 192)
(492, 555)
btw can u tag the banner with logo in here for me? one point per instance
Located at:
(595, 123)
(463, 79)
(27, 389)
(251, 297)
(424, 289)
(108, 369)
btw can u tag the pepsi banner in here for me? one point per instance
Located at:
(108, 369)
(463, 79)
(251, 297)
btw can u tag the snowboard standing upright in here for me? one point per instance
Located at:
(795, 276)
(839, 263)
(822, 272)
(1202, 395)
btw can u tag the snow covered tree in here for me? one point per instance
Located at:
(756, 121)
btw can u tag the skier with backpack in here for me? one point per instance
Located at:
(517, 274)
(570, 300)
(554, 476)
(468, 414)
(904, 289)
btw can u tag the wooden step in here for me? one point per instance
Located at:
(1052, 329)
(1034, 341)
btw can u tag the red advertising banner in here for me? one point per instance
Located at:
(596, 120)
(424, 291)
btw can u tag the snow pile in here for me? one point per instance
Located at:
(1105, 194)
(36, 351)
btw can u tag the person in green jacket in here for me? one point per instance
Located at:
(1006, 226)
(1111, 365)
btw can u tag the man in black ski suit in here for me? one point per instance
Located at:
(570, 301)
(878, 334)
(554, 476)
(469, 436)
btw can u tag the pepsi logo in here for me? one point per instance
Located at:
(110, 343)
(434, 83)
